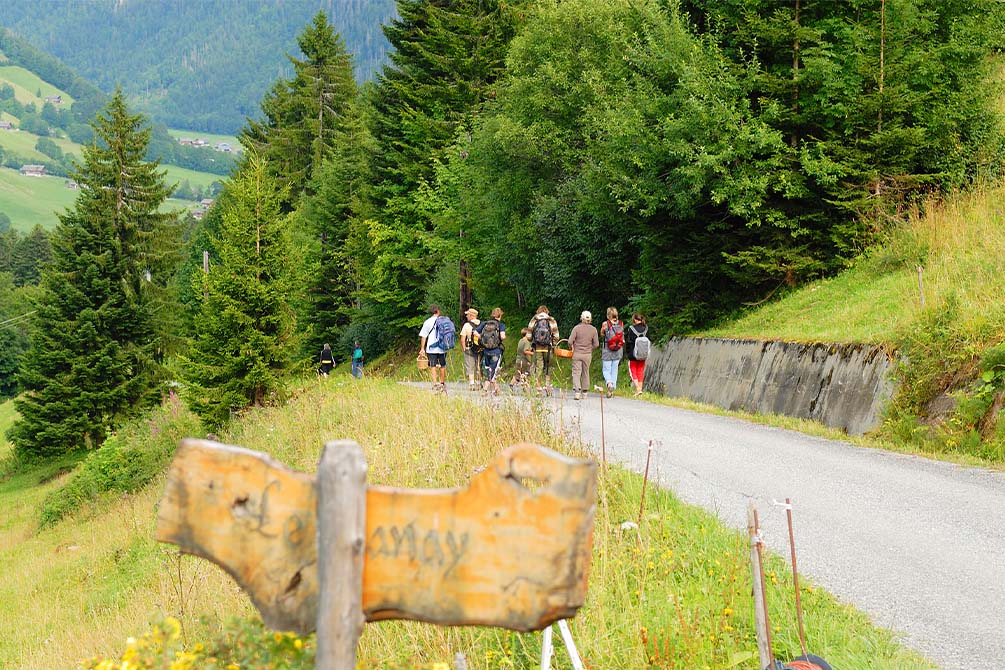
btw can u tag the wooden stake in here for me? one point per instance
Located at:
(341, 505)
(645, 479)
(761, 624)
(795, 577)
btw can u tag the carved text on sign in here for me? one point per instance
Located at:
(496, 553)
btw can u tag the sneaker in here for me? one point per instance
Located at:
(610, 390)
(576, 397)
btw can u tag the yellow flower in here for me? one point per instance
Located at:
(440, 666)
(175, 627)
(728, 611)
(298, 644)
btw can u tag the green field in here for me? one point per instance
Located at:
(31, 200)
(176, 175)
(198, 134)
(26, 84)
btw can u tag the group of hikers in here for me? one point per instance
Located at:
(326, 360)
(482, 345)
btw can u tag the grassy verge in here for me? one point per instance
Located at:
(932, 291)
(674, 593)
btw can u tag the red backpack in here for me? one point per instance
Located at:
(615, 336)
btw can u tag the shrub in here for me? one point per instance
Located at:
(125, 462)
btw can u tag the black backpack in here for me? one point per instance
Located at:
(541, 335)
(489, 337)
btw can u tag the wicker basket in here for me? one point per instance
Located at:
(422, 361)
(563, 353)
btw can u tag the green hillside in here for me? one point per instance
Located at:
(27, 86)
(932, 291)
(33, 200)
(206, 66)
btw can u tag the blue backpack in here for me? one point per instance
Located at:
(446, 336)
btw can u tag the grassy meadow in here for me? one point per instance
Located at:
(672, 594)
(33, 200)
(209, 137)
(27, 85)
(958, 243)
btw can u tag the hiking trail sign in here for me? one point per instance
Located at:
(328, 552)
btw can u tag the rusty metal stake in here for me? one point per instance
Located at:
(795, 576)
(645, 479)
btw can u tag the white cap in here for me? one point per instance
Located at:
(585, 316)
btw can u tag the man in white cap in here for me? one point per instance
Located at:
(472, 354)
(582, 340)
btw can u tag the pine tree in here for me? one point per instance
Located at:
(335, 216)
(447, 56)
(303, 115)
(244, 337)
(91, 357)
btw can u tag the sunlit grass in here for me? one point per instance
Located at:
(99, 578)
(958, 243)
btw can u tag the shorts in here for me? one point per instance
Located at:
(437, 360)
(490, 364)
(637, 370)
(471, 363)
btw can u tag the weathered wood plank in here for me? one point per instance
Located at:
(254, 518)
(511, 550)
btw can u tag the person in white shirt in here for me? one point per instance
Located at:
(437, 355)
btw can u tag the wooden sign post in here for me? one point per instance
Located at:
(511, 550)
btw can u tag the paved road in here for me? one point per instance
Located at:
(919, 545)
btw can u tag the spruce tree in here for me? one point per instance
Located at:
(90, 362)
(303, 115)
(447, 56)
(244, 336)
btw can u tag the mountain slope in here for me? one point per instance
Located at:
(199, 64)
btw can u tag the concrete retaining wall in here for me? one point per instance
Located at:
(845, 386)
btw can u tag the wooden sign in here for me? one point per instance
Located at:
(511, 550)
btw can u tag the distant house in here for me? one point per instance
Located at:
(206, 202)
(70, 183)
(224, 147)
(6, 125)
(54, 99)
(33, 170)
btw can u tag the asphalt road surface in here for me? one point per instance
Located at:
(917, 544)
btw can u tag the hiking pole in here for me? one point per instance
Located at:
(603, 443)
(645, 478)
(795, 575)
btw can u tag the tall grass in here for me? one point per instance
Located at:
(679, 582)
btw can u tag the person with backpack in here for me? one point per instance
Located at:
(491, 334)
(543, 337)
(637, 348)
(613, 335)
(472, 352)
(326, 359)
(436, 337)
(582, 340)
(357, 360)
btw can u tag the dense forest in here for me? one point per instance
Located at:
(192, 64)
(681, 159)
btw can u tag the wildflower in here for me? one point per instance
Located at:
(728, 611)
(298, 644)
(440, 666)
